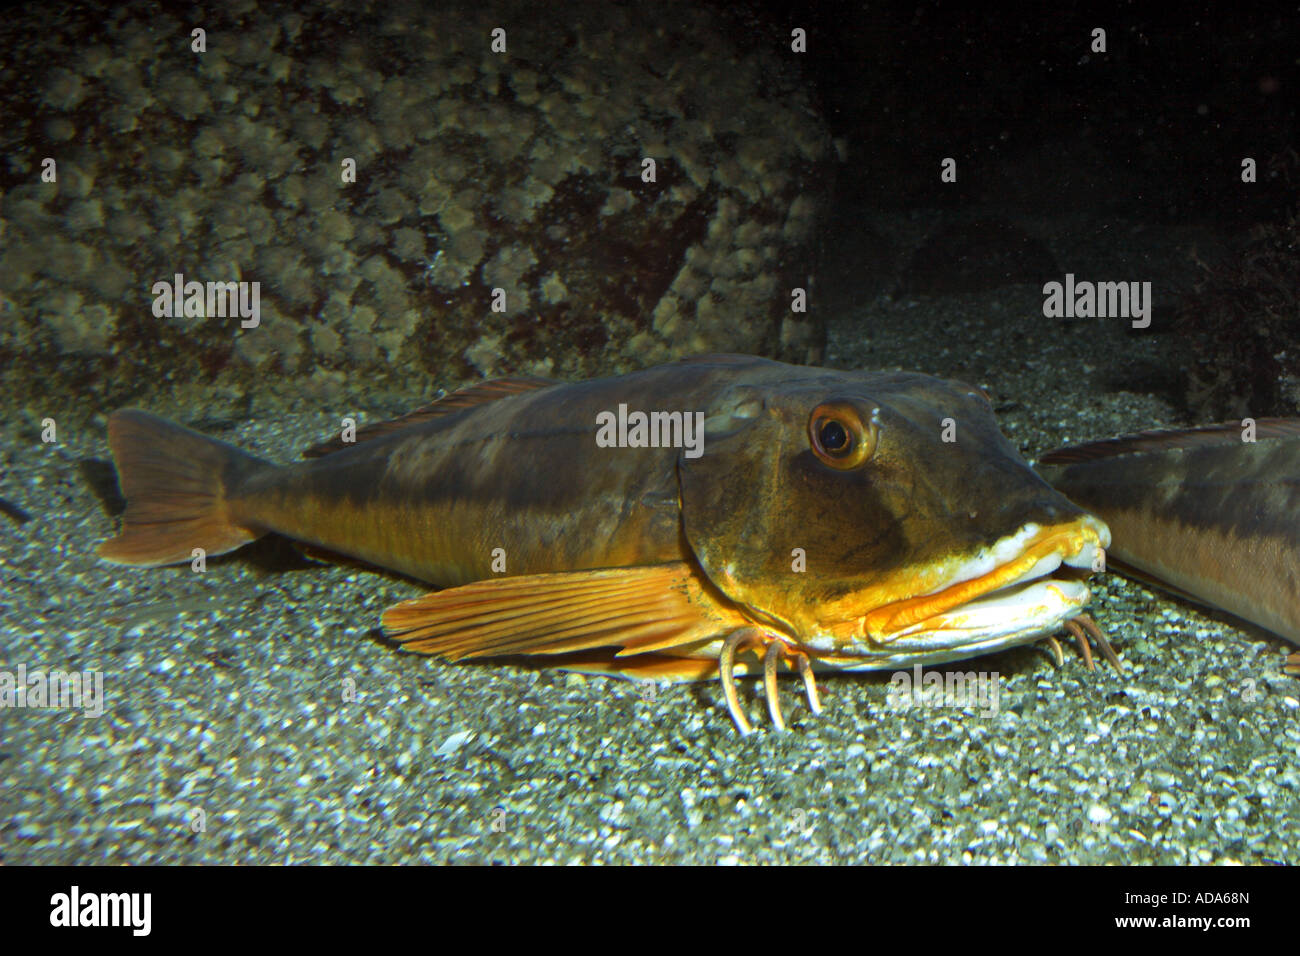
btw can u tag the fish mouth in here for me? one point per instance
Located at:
(1025, 585)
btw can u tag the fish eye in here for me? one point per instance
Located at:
(839, 437)
(833, 438)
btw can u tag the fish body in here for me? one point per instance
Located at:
(819, 518)
(1203, 511)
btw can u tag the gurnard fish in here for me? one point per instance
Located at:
(1203, 512)
(769, 516)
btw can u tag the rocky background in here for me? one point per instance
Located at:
(476, 170)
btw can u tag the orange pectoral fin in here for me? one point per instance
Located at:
(638, 610)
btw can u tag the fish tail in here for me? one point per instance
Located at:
(177, 485)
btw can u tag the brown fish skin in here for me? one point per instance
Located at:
(643, 560)
(1202, 511)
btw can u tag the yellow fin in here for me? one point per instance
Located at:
(636, 609)
(456, 401)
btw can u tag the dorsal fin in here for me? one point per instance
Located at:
(467, 397)
(1206, 436)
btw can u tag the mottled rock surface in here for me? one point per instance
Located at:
(520, 171)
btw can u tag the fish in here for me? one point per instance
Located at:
(1210, 513)
(719, 517)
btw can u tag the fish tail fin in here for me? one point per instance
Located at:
(177, 485)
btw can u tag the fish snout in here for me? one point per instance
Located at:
(1024, 585)
(1047, 508)
(1054, 508)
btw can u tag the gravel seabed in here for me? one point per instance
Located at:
(253, 715)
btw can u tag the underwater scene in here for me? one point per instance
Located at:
(678, 433)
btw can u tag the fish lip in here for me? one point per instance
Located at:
(998, 619)
(1090, 531)
(955, 636)
(1003, 618)
(1075, 544)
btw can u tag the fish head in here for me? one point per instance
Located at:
(881, 519)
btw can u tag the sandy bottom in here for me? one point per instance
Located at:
(251, 714)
